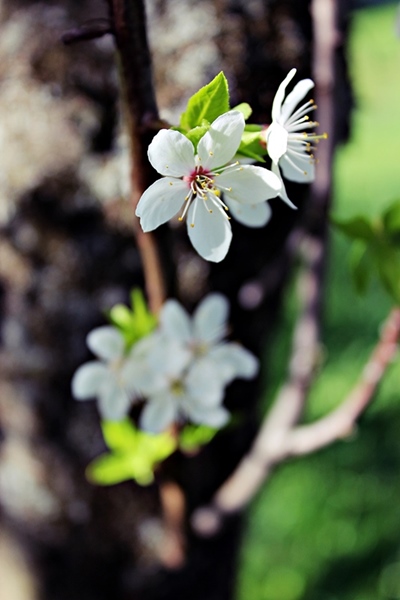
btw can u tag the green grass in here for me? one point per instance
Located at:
(327, 527)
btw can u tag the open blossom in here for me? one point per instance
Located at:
(288, 140)
(198, 392)
(109, 379)
(205, 188)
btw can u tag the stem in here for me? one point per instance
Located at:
(129, 25)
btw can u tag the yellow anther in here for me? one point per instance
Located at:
(191, 224)
(170, 183)
(217, 193)
(180, 218)
(211, 153)
(210, 211)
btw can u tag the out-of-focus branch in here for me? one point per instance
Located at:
(129, 26)
(269, 447)
(340, 422)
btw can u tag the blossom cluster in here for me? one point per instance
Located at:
(209, 183)
(180, 370)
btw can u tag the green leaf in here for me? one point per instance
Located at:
(391, 221)
(388, 263)
(356, 228)
(197, 133)
(134, 323)
(120, 435)
(208, 103)
(252, 146)
(194, 436)
(360, 265)
(134, 454)
(245, 109)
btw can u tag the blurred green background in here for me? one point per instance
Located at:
(327, 527)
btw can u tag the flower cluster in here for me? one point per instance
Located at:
(206, 184)
(180, 370)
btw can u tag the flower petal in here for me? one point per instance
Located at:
(249, 184)
(160, 202)
(298, 168)
(282, 193)
(219, 145)
(204, 384)
(252, 215)
(158, 413)
(211, 234)
(296, 95)
(175, 322)
(210, 319)
(232, 361)
(88, 379)
(213, 417)
(280, 94)
(114, 402)
(171, 153)
(106, 342)
(277, 141)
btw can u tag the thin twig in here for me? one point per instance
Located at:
(340, 422)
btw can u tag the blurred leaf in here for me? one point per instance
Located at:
(391, 221)
(133, 323)
(208, 103)
(134, 454)
(388, 262)
(356, 228)
(360, 265)
(194, 436)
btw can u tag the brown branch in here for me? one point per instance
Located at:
(129, 26)
(341, 421)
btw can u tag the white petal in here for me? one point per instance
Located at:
(88, 379)
(213, 417)
(252, 215)
(280, 94)
(277, 141)
(158, 413)
(175, 322)
(210, 319)
(114, 401)
(298, 168)
(232, 361)
(219, 145)
(106, 342)
(171, 153)
(204, 384)
(250, 185)
(211, 235)
(282, 193)
(296, 95)
(160, 202)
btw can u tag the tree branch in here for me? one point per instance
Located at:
(129, 26)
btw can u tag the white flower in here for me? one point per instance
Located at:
(197, 395)
(197, 392)
(110, 379)
(207, 185)
(288, 143)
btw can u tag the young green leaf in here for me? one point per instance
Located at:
(245, 109)
(192, 437)
(251, 146)
(208, 103)
(391, 221)
(197, 133)
(388, 262)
